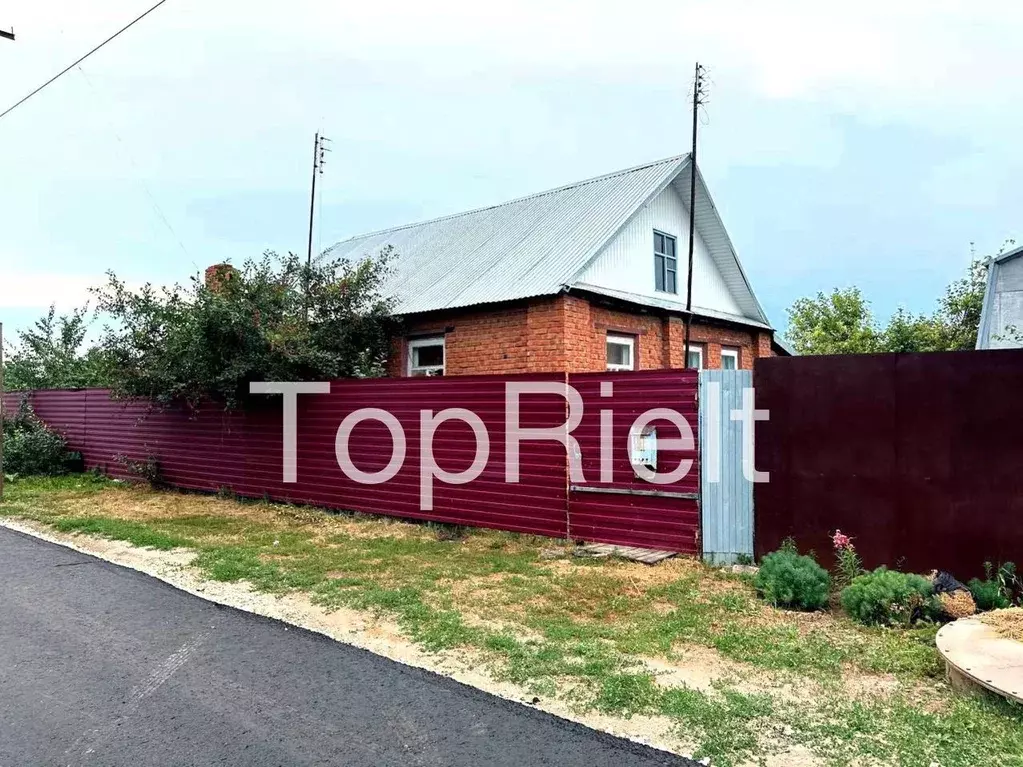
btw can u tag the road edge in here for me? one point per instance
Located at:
(230, 595)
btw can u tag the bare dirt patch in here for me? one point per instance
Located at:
(703, 669)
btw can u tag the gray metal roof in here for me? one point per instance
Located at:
(1001, 319)
(535, 245)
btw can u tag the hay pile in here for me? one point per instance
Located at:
(1007, 623)
(957, 604)
(953, 598)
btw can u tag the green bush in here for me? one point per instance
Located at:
(995, 591)
(988, 594)
(886, 597)
(788, 579)
(30, 447)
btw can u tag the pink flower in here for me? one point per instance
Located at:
(841, 541)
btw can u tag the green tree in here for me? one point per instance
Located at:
(52, 355)
(838, 323)
(959, 310)
(275, 319)
(842, 323)
(912, 333)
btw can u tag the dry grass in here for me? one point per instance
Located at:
(678, 642)
(1007, 623)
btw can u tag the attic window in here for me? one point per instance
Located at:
(665, 263)
(426, 356)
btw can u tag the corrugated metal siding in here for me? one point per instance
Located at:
(241, 451)
(1001, 320)
(917, 456)
(534, 245)
(712, 231)
(726, 500)
(523, 248)
(615, 267)
(638, 520)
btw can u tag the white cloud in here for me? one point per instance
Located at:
(911, 51)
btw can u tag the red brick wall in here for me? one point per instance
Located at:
(712, 337)
(481, 341)
(567, 333)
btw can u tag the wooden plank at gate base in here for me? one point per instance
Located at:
(635, 553)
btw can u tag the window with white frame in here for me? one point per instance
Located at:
(621, 352)
(665, 263)
(729, 358)
(694, 357)
(426, 356)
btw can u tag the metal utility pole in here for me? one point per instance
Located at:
(319, 160)
(698, 100)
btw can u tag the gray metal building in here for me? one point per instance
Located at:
(1001, 321)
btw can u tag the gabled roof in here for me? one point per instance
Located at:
(1003, 304)
(537, 245)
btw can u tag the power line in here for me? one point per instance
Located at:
(79, 61)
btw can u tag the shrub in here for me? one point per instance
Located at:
(30, 447)
(147, 470)
(886, 597)
(995, 591)
(787, 579)
(988, 594)
(273, 319)
(789, 545)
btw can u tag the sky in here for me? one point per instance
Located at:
(874, 145)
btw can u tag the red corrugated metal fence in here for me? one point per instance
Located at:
(242, 451)
(631, 510)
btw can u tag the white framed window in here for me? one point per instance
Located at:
(694, 357)
(621, 352)
(729, 358)
(426, 356)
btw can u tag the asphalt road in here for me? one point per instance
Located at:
(101, 665)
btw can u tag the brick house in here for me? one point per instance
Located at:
(586, 277)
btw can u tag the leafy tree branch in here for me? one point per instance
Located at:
(272, 319)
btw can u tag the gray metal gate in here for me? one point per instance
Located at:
(726, 495)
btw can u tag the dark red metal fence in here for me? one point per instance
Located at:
(242, 451)
(918, 456)
(629, 509)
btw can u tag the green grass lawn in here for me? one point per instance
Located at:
(607, 635)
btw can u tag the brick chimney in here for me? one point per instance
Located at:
(219, 274)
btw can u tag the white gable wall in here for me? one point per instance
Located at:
(627, 261)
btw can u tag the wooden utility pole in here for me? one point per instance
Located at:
(319, 160)
(698, 100)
